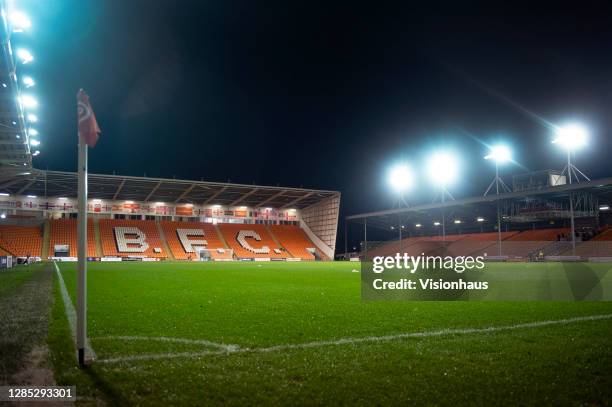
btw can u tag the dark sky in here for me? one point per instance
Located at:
(323, 95)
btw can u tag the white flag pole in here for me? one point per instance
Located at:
(82, 253)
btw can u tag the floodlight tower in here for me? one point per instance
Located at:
(572, 137)
(443, 168)
(401, 180)
(499, 154)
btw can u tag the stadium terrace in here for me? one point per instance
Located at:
(157, 219)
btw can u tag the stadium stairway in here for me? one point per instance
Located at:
(46, 239)
(98, 238)
(162, 236)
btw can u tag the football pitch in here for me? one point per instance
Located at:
(299, 333)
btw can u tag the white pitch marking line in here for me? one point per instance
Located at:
(352, 341)
(203, 342)
(71, 313)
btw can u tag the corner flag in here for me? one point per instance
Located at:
(88, 136)
(88, 125)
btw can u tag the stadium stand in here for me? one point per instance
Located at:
(251, 241)
(64, 232)
(294, 240)
(21, 241)
(605, 235)
(540, 234)
(124, 238)
(190, 232)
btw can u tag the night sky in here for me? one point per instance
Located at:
(318, 95)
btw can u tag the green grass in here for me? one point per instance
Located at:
(261, 305)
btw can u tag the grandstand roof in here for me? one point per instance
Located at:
(117, 187)
(480, 205)
(15, 154)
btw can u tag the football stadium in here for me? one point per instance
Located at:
(137, 290)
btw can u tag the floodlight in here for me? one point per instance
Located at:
(442, 167)
(97, 200)
(28, 81)
(242, 208)
(604, 208)
(159, 203)
(571, 136)
(499, 153)
(216, 206)
(28, 101)
(457, 221)
(480, 219)
(24, 55)
(392, 227)
(32, 118)
(436, 223)
(33, 132)
(34, 142)
(3, 216)
(129, 202)
(31, 196)
(35, 153)
(400, 178)
(62, 198)
(4, 194)
(19, 21)
(418, 225)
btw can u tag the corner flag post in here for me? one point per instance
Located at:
(88, 136)
(82, 252)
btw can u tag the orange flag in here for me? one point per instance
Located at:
(88, 126)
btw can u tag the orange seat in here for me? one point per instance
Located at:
(64, 232)
(210, 235)
(148, 227)
(230, 232)
(294, 239)
(21, 241)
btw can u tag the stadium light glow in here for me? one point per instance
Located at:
(33, 132)
(28, 101)
(604, 208)
(499, 153)
(401, 178)
(418, 225)
(62, 198)
(24, 55)
(571, 136)
(480, 219)
(436, 223)
(19, 21)
(242, 208)
(34, 154)
(4, 194)
(97, 200)
(457, 221)
(129, 202)
(31, 196)
(28, 81)
(32, 118)
(442, 168)
(216, 206)
(3, 216)
(159, 203)
(392, 227)
(34, 142)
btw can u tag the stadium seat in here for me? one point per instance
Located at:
(124, 238)
(64, 232)
(294, 239)
(251, 241)
(181, 235)
(21, 241)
